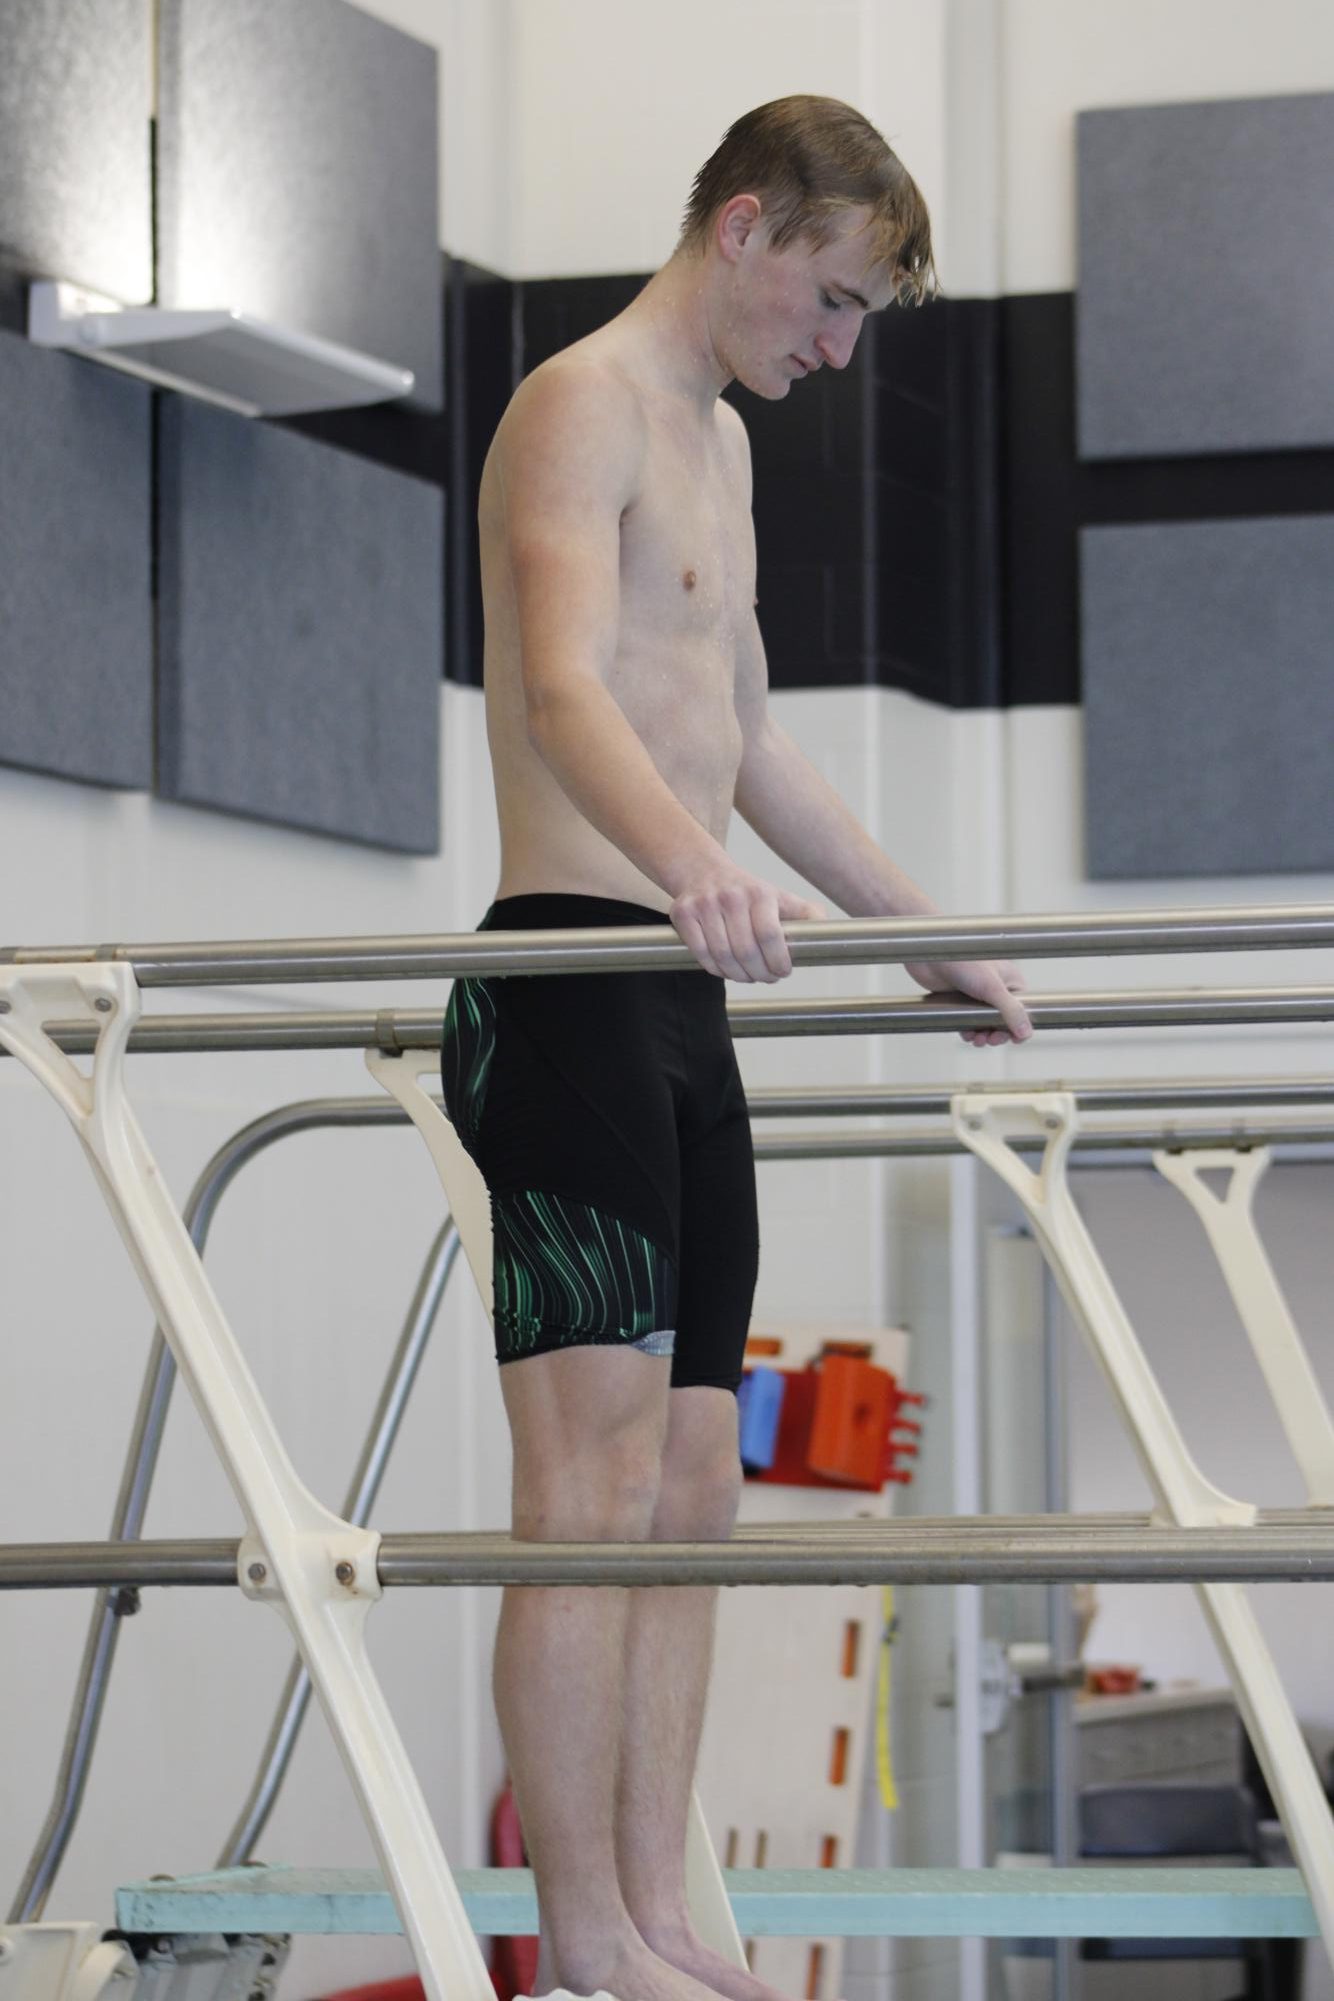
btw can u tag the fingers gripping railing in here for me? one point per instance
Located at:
(1183, 1494)
(317, 1570)
(403, 1077)
(1229, 1222)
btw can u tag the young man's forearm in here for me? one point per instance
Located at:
(600, 763)
(797, 813)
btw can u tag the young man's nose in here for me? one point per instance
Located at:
(836, 348)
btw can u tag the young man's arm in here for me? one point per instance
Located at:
(569, 465)
(797, 813)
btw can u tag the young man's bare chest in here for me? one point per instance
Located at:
(685, 592)
(687, 577)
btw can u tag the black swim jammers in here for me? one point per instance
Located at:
(606, 1113)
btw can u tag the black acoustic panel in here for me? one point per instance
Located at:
(402, 435)
(1206, 277)
(75, 187)
(298, 175)
(76, 656)
(1039, 501)
(1046, 493)
(300, 632)
(554, 312)
(1208, 697)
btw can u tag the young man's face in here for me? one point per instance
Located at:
(798, 309)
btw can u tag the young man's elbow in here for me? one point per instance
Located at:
(547, 703)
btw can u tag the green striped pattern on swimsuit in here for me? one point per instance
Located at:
(568, 1274)
(467, 1047)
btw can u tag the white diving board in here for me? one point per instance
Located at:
(1104, 1902)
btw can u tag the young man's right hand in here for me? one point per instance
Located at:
(733, 923)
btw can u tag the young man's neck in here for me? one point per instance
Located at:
(669, 326)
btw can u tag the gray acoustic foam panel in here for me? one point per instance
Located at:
(76, 629)
(1208, 663)
(297, 174)
(75, 194)
(1206, 277)
(300, 631)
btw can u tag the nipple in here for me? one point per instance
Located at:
(689, 580)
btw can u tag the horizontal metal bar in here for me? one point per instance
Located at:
(1132, 1095)
(979, 1554)
(1175, 1007)
(27, 1566)
(905, 1142)
(1282, 1545)
(924, 1142)
(636, 948)
(419, 1028)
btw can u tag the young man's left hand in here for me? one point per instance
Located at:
(994, 982)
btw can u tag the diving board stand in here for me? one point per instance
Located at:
(1105, 1902)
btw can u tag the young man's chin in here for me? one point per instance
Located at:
(773, 385)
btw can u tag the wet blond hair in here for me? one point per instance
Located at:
(809, 160)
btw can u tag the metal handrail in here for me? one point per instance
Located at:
(1129, 1094)
(399, 1029)
(638, 948)
(927, 1142)
(1280, 1547)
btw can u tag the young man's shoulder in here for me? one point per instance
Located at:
(581, 384)
(572, 440)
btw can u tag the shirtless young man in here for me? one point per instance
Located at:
(626, 706)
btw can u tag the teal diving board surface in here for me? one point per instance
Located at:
(1106, 1902)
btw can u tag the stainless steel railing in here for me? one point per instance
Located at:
(838, 942)
(398, 1029)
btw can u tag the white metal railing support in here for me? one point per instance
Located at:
(317, 1570)
(1183, 1494)
(1229, 1222)
(402, 1076)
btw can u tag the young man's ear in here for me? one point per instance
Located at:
(736, 220)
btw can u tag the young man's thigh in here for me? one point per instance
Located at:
(588, 1427)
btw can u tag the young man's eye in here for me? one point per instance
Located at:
(827, 301)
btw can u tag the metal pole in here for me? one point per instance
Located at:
(979, 1550)
(928, 1141)
(1179, 1007)
(398, 1029)
(1132, 1095)
(635, 948)
(360, 1499)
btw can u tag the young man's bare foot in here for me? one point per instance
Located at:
(690, 1955)
(630, 1971)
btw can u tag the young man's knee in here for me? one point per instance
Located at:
(607, 1494)
(698, 1496)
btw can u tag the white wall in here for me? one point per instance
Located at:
(653, 88)
(1063, 56)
